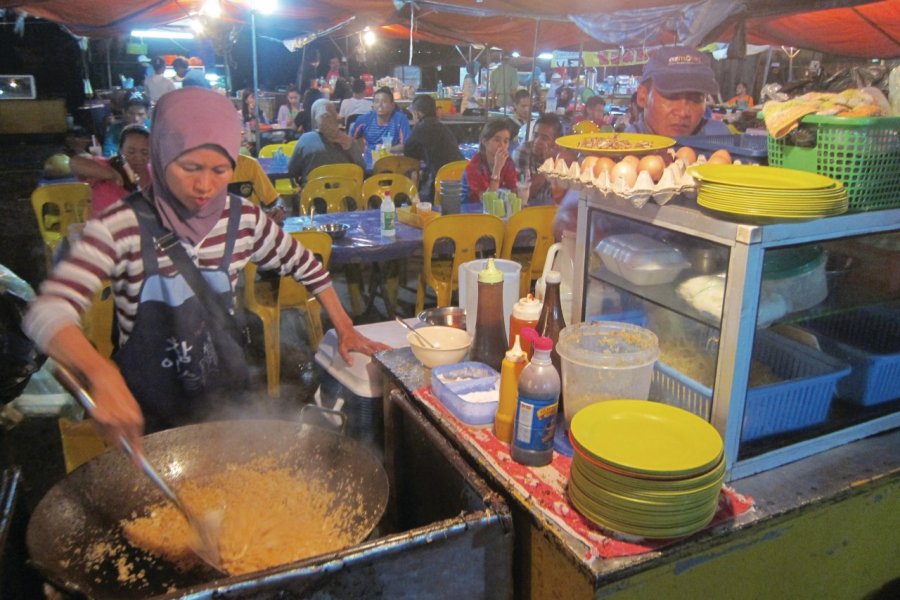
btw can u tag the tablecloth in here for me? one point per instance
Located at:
(545, 488)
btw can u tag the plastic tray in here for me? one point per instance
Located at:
(869, 340)
(640, 259)
(462, 379)
(801, 400)
(746, 148)
(861, 152)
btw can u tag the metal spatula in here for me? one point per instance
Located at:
(206, 527)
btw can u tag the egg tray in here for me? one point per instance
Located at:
(675, 180)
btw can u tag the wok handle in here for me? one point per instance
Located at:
(75, 386)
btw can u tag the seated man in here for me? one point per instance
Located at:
(326, 145)
(431, 142)
(532, 155)
(672, 94)
(137, 110)
(357, 104)
(521, 116)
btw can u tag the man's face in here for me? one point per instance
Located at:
(136, 115)
(544, 142)
(523, 108)
(597, 112)
(673, 114)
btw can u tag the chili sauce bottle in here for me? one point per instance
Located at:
(513, 363)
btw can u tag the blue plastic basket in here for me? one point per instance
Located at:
(868, 339)
(746, 148)
(802, 399)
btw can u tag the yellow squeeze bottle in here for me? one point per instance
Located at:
(511, 367)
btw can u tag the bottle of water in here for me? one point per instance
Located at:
(388, 216)
(440, 89)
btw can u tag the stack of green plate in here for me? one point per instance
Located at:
(768, 193)
(644, 468)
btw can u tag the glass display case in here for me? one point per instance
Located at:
(785, 336)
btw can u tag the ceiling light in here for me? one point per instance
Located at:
(369, 37)
(545, 55)
(211, 8)
(515, 54)
(162, 33)
(265, 7)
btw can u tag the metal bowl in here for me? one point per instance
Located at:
(335, 230)
(451, 316)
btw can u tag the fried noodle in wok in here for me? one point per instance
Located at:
(271, 517)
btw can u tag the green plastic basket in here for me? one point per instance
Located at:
(861, 152)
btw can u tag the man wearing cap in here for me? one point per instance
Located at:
(158, 84)
(144, 61)
(672, 94)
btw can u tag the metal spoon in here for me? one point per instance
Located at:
(206, 528)
(417, 334)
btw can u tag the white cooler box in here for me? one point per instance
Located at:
(356, 389)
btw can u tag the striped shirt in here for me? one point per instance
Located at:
(110, 249)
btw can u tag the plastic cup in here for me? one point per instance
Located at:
(523, 189)
(423, 207)
(387, 142)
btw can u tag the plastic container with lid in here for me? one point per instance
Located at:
(358, 387)
(605, 360)
(797, 274)
(640, 259)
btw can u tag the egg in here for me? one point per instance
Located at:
(654, 165)
(720, 157)
(588, 163)
(626, 171)
(632, 160)
(686, 154)
(604, 163)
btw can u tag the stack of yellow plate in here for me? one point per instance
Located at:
(644, 468)
(768, 193)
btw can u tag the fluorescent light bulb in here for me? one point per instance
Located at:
(162, 33)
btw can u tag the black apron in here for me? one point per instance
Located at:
(177, 363)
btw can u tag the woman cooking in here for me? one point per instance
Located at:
(177, 358)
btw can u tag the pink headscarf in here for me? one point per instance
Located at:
(183, 120)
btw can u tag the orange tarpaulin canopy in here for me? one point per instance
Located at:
(843, 27)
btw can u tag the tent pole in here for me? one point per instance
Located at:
(300, 70)
(412, 24)
(108, 65)
(255, 79)
(537, 27)
(579, 71)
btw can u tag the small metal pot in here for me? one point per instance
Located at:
(706, 260)
(335, 230)
(451, 316)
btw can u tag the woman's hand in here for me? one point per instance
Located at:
(499, 160)
(351, 340)
(117, 412)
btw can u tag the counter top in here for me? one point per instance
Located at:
(823, 477)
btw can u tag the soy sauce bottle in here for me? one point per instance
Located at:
(551, 321)
(489, 346)
(537, 407)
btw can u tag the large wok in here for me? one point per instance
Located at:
(85, 508)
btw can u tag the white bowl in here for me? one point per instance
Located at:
(451, 345)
